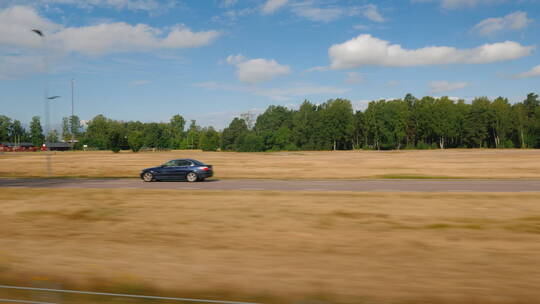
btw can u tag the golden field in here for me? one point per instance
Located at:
(275, 247)
(487, 164)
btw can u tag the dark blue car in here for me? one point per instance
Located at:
(178, 169)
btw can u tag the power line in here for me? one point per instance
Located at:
(120, 295)
(23, 301)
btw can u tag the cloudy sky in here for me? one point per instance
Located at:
(210, 60)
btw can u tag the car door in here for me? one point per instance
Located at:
(181, 169)
(167, 171)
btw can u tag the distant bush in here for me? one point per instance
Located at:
(136, 140)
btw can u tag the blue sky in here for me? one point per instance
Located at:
(211, 60)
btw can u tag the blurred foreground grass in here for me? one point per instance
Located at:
(275, 247)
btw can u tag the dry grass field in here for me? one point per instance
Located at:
(275, 247)
(290, 165)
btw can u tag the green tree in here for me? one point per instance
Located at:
(359, 133)
(501, 125)
(535, 126)
(462, 112)
(176, 131)
(395, 116)
(250, 142)
(478, 122)
(36, 132)
(338, 122)
(268, 123)
(209, 139)
(304, 126)
(75, 126)
(232, 134)
(17, 133)
(531, 103)
(52, 137)
(192, 136)
(444, 121)
(66, 129)
(425, 121)
(519, 116)
(97, 132)
(374, 124)
(5, 125)
(115, 140)
(153, 133)
(136, 140)
(282, 139)
(412, 122)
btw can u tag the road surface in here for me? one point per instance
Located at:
(288, 185)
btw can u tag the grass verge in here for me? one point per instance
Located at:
(432, 164)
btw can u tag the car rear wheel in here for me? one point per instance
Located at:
(148, 177)
(192, 177)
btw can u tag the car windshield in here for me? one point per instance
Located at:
(169, 164)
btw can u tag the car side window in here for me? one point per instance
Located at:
(182, 163)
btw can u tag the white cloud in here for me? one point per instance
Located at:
(514, 21)
(445, 86)
(314, 11)
(534, 72)
(17, 65)
(458, 4)
(354, 78)
(103, 38)
(122, 37)
(257, 70)
(272, 5)
(392, 83)
(232, 15)
(361, 27)
(309, 11)
(317, 69)
(371, 12)
(228, 3)
(15, 25)
(135, 5)
(366, 50)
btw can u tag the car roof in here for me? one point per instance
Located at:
(190, 159)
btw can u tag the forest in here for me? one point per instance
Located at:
(408, 123)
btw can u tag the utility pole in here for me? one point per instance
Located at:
(72, 108)
(71, 119)
(47, 99)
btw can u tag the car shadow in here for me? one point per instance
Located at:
(183, 180)
(210, 180)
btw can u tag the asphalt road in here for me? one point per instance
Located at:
(289, 185)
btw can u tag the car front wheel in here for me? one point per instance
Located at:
(192, 177)
(148, 177)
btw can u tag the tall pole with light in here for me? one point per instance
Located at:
(46, 98)
(71, 119)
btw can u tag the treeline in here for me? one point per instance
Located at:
(14, 132)
(391, 124)
(408, 123)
